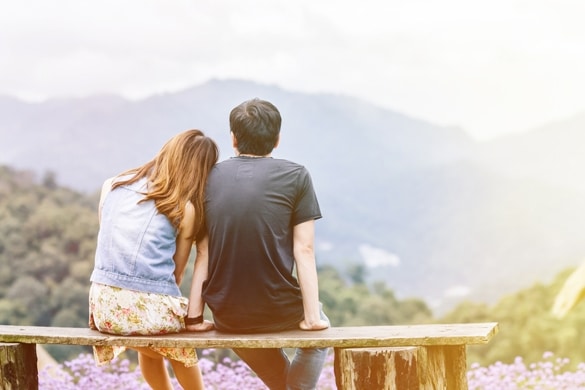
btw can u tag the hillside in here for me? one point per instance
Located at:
(552, 153)
(426, 208)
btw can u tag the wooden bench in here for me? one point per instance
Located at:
(366, 357)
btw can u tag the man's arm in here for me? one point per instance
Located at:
(304, 237)
(200, 271)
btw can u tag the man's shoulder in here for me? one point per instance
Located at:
(288, 163)
(224, 164)
(229, 162)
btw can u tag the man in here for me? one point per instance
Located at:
(260, 214)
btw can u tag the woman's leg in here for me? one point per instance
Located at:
(188, 377)
(152, 366)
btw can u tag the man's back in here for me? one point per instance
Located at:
(260, 216)
(252, 206)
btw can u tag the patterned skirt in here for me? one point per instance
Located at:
(124, 312)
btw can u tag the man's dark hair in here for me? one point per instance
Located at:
(256, 126)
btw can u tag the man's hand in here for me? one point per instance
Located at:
(319, 325)
(202, 327)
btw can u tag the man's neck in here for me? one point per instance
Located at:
(251, 155)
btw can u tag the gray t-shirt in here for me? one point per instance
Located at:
(252, 206)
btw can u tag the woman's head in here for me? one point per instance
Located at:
(178, 173)
(183, 160)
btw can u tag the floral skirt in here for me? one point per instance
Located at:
(124, 312)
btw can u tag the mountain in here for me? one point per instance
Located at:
(424, 208)
(551, 153)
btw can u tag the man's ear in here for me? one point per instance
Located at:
(277, 142)
(234, 140)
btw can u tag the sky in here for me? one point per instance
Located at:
(489, 67)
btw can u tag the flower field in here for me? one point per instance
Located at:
(82, 373)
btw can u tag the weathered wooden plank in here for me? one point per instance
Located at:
(18, 366)
(342, 337)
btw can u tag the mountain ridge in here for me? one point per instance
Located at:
(443, 211)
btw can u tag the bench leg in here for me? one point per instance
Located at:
(443, 367)
(18, 366)
(401, 368)
(376, 368)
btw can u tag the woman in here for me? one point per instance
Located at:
(150, 217)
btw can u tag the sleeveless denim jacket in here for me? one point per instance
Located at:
(136, 244)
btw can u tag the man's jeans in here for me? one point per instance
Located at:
(273, 366)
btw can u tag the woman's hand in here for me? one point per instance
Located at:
(202, 327)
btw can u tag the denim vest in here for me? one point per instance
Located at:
(135, 244)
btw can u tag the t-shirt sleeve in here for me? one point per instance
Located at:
(306, 205)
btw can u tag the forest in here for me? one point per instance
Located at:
(47, 243)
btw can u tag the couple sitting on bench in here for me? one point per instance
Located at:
(251, 218)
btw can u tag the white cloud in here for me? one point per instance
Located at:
(457, 291)
(325, 246)
(375, 257)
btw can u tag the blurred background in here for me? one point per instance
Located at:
(444, 140)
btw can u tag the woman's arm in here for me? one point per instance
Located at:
(106, 188)
(184, 242)
(196, 304)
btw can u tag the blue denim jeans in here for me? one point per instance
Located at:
(274, 368)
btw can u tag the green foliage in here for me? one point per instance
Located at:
(13, 313)
(353, 303)
(527, 328)
(47, 244)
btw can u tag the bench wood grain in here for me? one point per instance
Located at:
(338, 337)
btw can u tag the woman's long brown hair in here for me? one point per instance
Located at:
(177, 174)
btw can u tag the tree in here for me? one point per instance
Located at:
(50, 180)
(347, 303)
(357, 273)
(31, 295)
